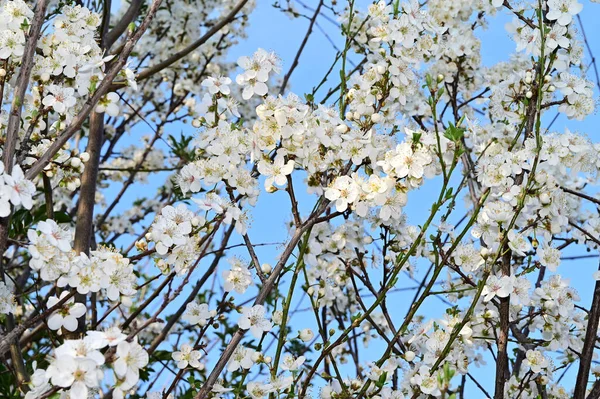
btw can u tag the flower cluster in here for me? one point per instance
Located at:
(15, 189)
(77, 366)
(15, 16)
(105, 269)
(256, 73)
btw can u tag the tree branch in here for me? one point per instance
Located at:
(587, 353)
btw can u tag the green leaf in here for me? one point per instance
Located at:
(355, 317)
(62, 217)
(381, 381)
(454, 133)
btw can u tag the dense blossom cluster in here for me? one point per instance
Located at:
(67, 69)
(77, 365)
(15, 189)
(103, 270)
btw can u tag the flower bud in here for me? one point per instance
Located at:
(349, 115)
(266, 268)
(2, 72)
(277, 317)
(271, 188)
(551, 89)
(544, 198)
(342, 128)
(268, 359)
(196, 123)
(195, 221)
(409, 356)
(376, 118)
(528, 80)
(256, 356)
(141, 245)
(306, 335)
(75, 162)
(529, 94)
(84, 156)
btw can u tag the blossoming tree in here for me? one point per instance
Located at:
(166, 296)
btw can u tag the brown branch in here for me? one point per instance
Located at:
(14, 119)
(130, 180)
(12, 135)
(581, 195)
(595, 392)
(260, 299)
(6, 340)
(130, 15)
(585, 232)
(84, 228)
(146, 73)
(301, 49)
(587, 353)
(519, 15)
(502, 372)
(209, 272)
